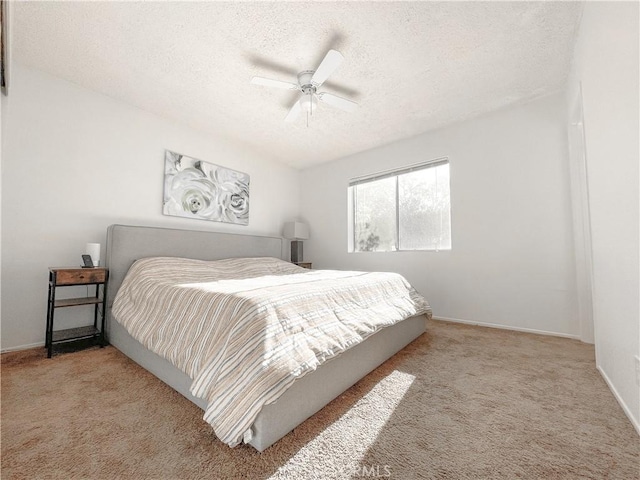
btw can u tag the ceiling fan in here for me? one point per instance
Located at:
(308, 83)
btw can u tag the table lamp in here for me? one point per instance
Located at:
(296, 231)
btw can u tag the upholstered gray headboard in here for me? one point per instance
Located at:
(126, 244)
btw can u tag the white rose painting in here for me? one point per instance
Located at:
(197, 189)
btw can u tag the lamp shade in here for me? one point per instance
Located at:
(296, 231)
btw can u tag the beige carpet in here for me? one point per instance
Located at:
(460, 402)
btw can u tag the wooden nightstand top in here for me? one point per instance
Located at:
(304, 264)
(57, 269)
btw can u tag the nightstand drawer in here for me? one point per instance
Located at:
(80, 276)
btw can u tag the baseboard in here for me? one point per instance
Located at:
(508, 327)
(634, 421)
(22, 347)
(445, 319)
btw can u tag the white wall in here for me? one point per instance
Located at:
(74, 162)
(512, 258)
(606, 63)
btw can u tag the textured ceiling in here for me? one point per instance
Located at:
(412, 66)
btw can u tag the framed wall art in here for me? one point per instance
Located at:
(197, 189)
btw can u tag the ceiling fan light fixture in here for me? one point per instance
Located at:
(308, 103)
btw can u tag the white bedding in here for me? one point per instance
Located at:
(245, 329)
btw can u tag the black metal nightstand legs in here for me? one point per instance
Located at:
(50, 308)
(66, 277)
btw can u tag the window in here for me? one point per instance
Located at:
(406, 209)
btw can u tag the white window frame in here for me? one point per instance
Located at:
(351, 214)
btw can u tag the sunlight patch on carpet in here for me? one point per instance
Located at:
(350, 437)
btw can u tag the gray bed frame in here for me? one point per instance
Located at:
(125, 244)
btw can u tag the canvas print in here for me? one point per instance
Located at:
(197, 189)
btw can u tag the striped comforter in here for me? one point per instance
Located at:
(245, 329)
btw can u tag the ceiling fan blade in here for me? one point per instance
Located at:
(268, 82)
(294, 112)
(338, 102)
(331, 61)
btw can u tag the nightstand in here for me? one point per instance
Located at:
(303, 264)
(74, 276)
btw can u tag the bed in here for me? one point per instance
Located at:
(308, 394)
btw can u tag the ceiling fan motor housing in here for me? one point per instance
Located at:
(304, 80)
